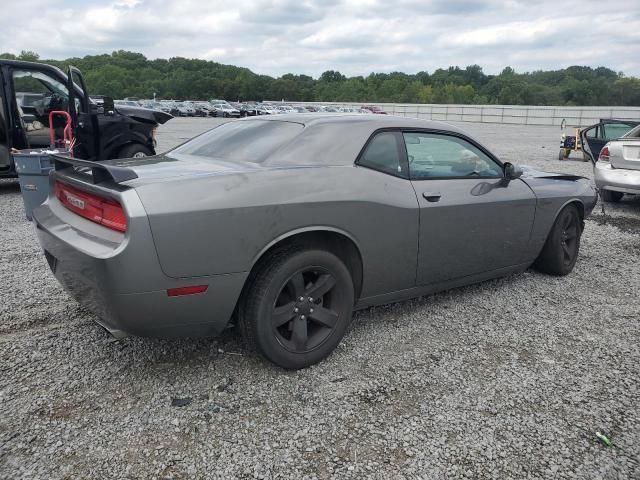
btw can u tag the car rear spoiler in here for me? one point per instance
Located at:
(100, 172)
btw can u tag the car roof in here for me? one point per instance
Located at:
(375, 121)
(336, 139)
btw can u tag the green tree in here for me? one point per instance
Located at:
(28, 56)
(123, 73)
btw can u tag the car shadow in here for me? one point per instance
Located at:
(179, 353)
(9, 186)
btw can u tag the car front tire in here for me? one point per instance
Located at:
(135, 150)
(560, 251)
(297, 307)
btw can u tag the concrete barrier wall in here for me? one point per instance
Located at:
(509, 114)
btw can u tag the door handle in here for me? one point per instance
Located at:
(432, 196)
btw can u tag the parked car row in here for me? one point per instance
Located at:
(223, 108)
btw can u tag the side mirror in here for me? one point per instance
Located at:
(511, 171)
(108, 106)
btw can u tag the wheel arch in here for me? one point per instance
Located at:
(337, 241)
(579, 205)
(113, 144)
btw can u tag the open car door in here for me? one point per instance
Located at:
(83, 115)
(596, 136)
(5, 145)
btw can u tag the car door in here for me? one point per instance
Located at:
(388, 221)
(86, 129)
(472, 218)
(596, 136)
(48, 92)
(5, 144)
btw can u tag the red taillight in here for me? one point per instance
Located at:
(104, 211)
(604, 154)
(176, 292)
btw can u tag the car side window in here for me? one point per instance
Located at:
(616, 130)
(443, 156)
(382, 154)
(594, 132)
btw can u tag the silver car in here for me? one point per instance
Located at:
(285, 224)
(616, 165)
(225, 110)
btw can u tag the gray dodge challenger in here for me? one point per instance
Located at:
(286, 224)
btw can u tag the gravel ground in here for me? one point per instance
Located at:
(506, 379)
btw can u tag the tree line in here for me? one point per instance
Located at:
(129, 74)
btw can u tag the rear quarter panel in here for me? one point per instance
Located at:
(221, 223)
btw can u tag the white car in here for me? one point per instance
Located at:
(270, 109)
(285, 109)
(225, 110)
(616, 165)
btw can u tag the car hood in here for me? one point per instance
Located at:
(530, 172)
(552, 185)
(145, 115)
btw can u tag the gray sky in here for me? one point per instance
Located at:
(355, 37)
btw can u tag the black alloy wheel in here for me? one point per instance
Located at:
(297, 306)
(560, 251)
(570, 231)
(302, 317)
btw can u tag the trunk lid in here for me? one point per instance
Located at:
(161, 168)
(626, 155)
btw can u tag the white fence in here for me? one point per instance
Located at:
(515, 114)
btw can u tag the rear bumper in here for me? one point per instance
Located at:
(123, 283)
(616, 179)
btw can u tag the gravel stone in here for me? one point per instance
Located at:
(509, 378)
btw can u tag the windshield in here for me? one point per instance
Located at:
(251, 141)
(49, 82)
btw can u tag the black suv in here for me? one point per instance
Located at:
(30, 91)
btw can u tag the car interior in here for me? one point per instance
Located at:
(37, 94)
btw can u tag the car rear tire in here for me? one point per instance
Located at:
(561, 154)
(560, 251)
(135, 150)
(611, 196)
(297, 307)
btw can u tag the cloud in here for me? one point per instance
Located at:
(282, 12)
(355, 37)
(514, 33)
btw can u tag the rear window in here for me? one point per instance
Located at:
(633, 133)
(248, 141)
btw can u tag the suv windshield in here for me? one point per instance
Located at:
(251, 141)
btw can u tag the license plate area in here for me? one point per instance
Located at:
(631, 152)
